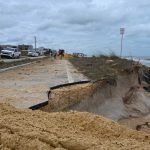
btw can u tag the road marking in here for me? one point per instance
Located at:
(70, 78)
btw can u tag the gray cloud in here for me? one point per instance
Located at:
(90, 26)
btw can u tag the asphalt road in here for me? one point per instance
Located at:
(26, 86)
(21, 58)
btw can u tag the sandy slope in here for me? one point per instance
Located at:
(122, 101)
(35, 130)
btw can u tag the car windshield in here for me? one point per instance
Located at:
(10, 49)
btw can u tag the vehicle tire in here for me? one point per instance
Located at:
(13, 56)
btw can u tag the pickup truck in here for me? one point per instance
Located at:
(10, 52)
(33, 53)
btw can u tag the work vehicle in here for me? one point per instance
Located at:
(10, 53)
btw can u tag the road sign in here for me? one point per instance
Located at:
(122, 30)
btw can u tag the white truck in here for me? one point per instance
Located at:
(10, 52)
(35, 53)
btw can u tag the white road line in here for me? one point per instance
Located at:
(70, 78)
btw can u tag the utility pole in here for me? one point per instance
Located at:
(122, 30)
(35, 42)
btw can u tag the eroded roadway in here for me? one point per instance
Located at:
(26, 86)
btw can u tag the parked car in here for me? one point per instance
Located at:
(33, 53)
(40, 50)
(10, 53)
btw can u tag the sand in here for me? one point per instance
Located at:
(37, 130)
(62, 98)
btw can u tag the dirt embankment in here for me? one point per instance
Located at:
(123, 98)
(101, 97)
(62, 98)
(37, 130)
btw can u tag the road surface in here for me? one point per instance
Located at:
(26, 86)
(21, 58)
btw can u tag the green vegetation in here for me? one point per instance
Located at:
(102, 66)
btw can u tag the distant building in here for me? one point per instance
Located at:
(25, 47)
(21, 47)
(5, 46)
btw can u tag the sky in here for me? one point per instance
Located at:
(87, 26)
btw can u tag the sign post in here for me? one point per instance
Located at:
(122, 30)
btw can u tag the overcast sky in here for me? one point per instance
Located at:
(88, 26)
